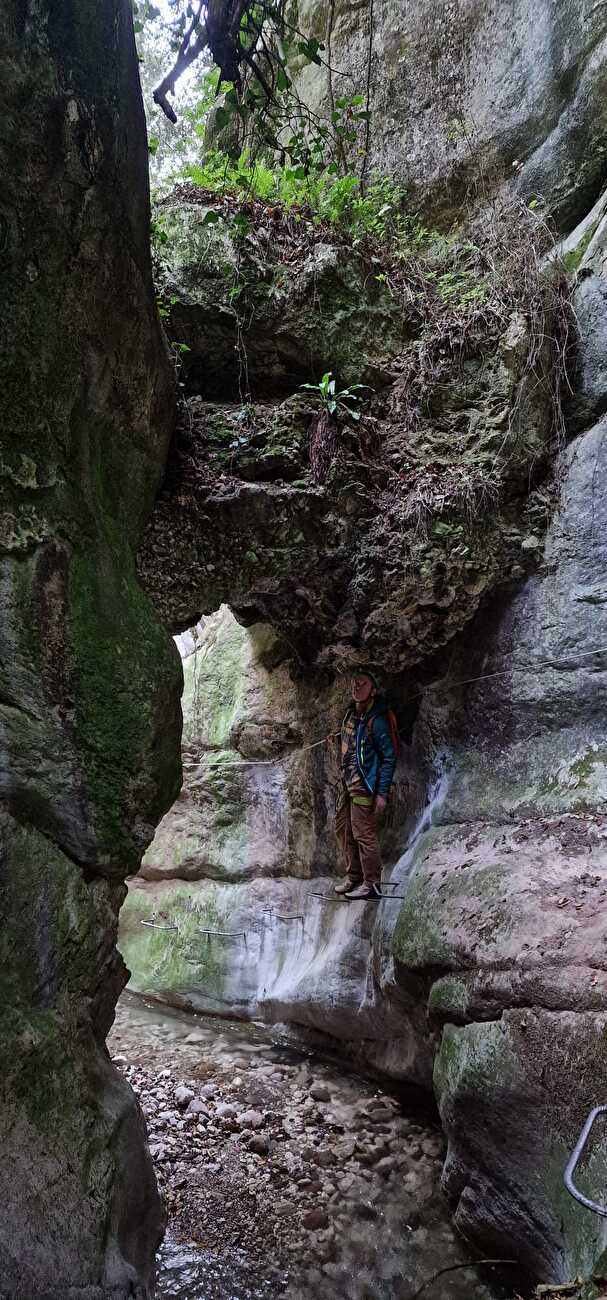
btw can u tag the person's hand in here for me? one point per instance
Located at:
(380, 803)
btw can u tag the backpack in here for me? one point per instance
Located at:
(390, 717)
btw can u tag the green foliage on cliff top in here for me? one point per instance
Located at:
(318, 194)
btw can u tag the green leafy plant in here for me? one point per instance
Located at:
(318, 194)
(331, 399)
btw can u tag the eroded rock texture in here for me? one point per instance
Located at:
(385, 543)
(500, 937)
(248, 845)
(89, 681)
(505, 912)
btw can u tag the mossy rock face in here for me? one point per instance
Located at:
(493, 1081)
(71, 1131)
(254, 315)
(170, 960)
(376, 538)
(256, 801)
(89, 681)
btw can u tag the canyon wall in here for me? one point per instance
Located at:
(470, 96)
(89, 680)
(490, 974)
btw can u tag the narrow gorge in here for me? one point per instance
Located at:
(178, 523)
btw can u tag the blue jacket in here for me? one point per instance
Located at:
(375, 753)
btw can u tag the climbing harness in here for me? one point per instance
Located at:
(573, 1162)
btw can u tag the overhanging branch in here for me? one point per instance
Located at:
(220, 33)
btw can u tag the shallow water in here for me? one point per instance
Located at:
(186, 1273)
(384, 1239)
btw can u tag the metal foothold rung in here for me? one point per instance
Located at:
(573, 1161)
(223, 934)
(153, 926)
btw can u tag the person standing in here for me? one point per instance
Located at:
(368, 760)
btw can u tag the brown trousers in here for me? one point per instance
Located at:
(356, 830)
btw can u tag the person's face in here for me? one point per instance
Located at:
(362, 688)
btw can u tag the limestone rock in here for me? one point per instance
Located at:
(183, 1096)
(278, 324)
(507, 902)
(89, 683)
(515, 91)
(320, 1092)
(315, 1219)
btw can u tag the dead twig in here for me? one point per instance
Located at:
(476, 1263)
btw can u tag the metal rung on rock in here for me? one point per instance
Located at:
(223, 934)
(153, 926)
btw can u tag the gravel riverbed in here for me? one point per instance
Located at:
(281, 1173)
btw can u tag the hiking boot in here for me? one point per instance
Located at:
(347, 884)
(364, 892)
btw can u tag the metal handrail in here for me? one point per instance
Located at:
(573, 1162)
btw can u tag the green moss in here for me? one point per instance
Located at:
(418, 938)
(44, 1072)
(163, 961)
(449, 998)
(571, 261)
(475, 1058)
(212, 689)
(125, 667)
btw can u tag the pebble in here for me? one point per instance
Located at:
(250, 1119)
(315, 1219)
(270, 1160)
(197, 1107)
(324, 1157)
(320, 1092)
(259, 1145)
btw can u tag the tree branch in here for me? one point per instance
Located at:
(472, 1263)
(185, 57)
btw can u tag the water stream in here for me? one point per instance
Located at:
(335, 1194)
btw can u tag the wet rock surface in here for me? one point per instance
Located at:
(283, 1174)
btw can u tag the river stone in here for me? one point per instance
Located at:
(315, 1219)
(183, 1095)
(250, 1119)
(259, 1145)
(197, 1107)
(320, 1092)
